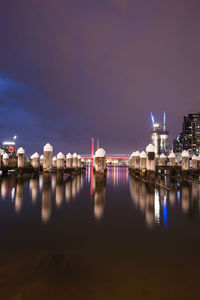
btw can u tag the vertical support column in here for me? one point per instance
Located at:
(35, 163)
(137, 161)
(20, 160)
(194, 163)
(69, 161)
(79, 161)
(75, 160)
(60, 162)
(143, 162)
(185, 162)
(48, 154)
(5, 160)
(100, 164)
(150, 149)
(172, 161)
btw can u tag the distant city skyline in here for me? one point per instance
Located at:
(73, 70)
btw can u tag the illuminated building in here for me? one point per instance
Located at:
(8, 147)
(189, 138)
(160, 136)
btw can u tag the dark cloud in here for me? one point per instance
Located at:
(75, 69)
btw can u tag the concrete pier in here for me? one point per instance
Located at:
(75, 160)
(100, 165)
(137, 160)
(132, 161)
(172, 161)
(194, 163)
(150, 150)
(69, 159)
(5, 160)
(100, 161)
(79, 161)
(185, 161)
(35, 163)
(54, 162)
(20, 160)
(143, 159)
(48, 154)
(60, 162)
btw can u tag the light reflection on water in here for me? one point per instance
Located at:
(121, 234)
(151, 201)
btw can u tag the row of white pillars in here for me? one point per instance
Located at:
(72, 161)
(148, 160)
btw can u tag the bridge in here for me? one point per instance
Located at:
(110, 158)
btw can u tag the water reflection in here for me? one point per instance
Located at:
(34, 188)
(44, 188)
(68, 191)
(99, 200)
(46, 199)
(19, 196)
(153, 201)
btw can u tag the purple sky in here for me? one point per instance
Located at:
(73, 69)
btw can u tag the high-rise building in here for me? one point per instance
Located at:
(189, 138)
(160, 136)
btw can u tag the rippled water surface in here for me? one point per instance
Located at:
(75, 239)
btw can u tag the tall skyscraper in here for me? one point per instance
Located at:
(189, 138)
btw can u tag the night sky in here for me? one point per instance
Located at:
(73, 69)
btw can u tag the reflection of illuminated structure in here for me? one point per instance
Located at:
(4, 188)
(159, 136)
(59, 193)
(46, 199)
(156, 207)
(99, 201)
(74, 187)
(34, 186)
(68, 187)
(185, 199)
(151, 201)
(19, 197)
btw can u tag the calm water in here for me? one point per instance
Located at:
(121, 240)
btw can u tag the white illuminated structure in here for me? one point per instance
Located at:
(160, 136)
